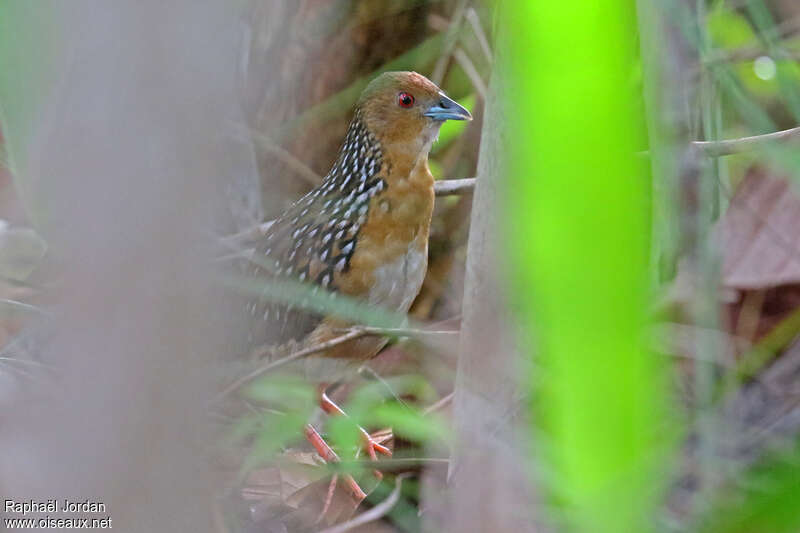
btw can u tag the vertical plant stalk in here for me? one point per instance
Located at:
(126, 153)
(576, 222)
(490, 489)
(669, 90)
(704, 261)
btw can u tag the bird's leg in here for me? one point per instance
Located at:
(370, 445)
(327, 453)
(328, 498)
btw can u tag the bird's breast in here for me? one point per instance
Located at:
(396, 283)
(390, 258)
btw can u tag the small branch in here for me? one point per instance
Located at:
(450, 40)
(13, 306)
(300, 168)
(250, 234)
(348, 335)
(392, 464)
(438, 23)
(376, 513)
(472, 17)
(750, 54)
(466, 63)
(366, 369)
(18, 283)
(450, 187)
(782, 31)
(745, 144)
(18, 361)
(260, 352)
(404, 332)
(441, 404)
(441, 188)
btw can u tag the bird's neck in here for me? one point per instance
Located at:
(358, 164)
(363, 156)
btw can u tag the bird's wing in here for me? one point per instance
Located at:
(312, 242)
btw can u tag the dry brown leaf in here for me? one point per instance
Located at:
(294, 490)
(759, 235)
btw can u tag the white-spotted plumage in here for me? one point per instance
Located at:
(317, 237)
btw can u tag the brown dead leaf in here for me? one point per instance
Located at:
(760, 245)
(759, 235)
(758, 240)
(294, 490)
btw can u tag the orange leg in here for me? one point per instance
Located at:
(370, 445)
(330, 456)
(328, 498)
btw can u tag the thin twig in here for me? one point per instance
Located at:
(348, 335)
(472, 73)
(244, 254)
(472, 17)
(744, 144)
(353, 334)
(764, 429)
(300, 168)
(441, 188)
(450, 40)
(438, 23)
(14, 305)
(441, 404)
(404, 332)
(450, 187)
(392, 463)
(376, 513)
(250, 234)
(26, 362)
(366, 369)
(733, 146)
(749, 54)
(782, 31)
(19, 283)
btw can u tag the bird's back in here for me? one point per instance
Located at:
(363, 232)
(315, 240)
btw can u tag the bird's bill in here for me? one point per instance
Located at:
(447, 109)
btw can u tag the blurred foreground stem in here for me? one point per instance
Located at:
(578, 231)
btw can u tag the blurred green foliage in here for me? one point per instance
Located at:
(28, 41)
(576, 210)
(765, 499)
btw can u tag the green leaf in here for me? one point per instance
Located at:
(408, 423)
(729, 29)
(577, 230)
(307, 296)
(278, 431)
(284, 391)
(767, 499)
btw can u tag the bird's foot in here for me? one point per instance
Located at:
(372, 444)
(329, 456)
(326, 505)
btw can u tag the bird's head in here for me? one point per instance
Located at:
(405, 110)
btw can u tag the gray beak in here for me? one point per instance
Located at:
(447, 109)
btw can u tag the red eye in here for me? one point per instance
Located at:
(405, 100)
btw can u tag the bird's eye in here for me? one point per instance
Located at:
(405, 100)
